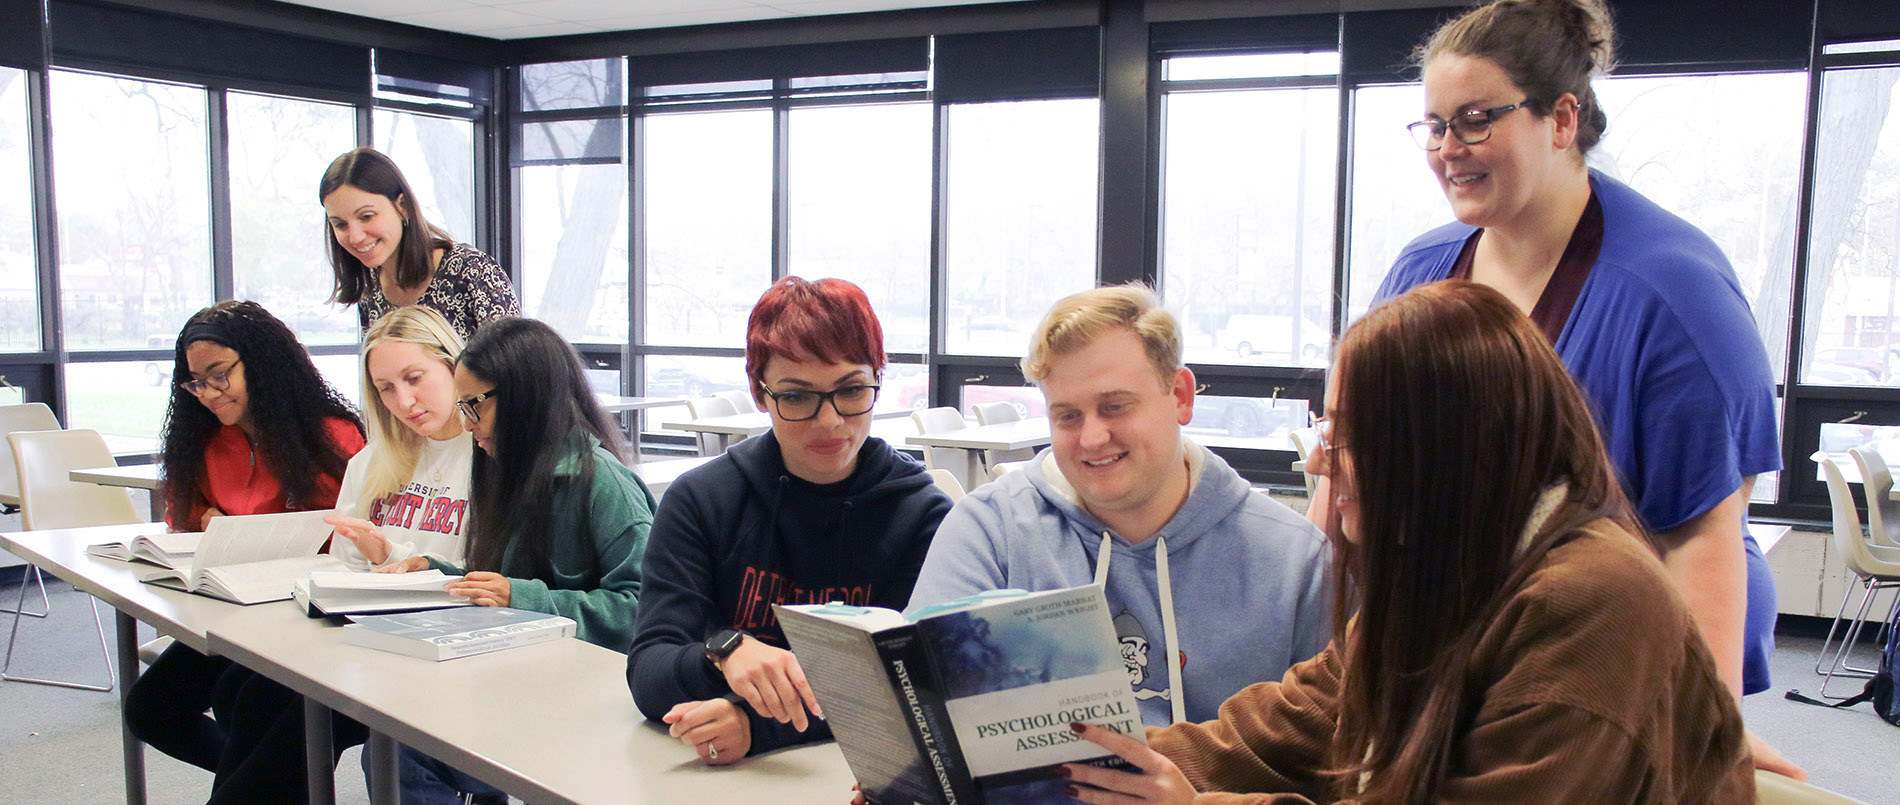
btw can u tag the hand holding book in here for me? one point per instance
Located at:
(484, 588)
(1160, 781)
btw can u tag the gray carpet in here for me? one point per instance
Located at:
(62, 746)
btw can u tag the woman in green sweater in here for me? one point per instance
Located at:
(556, 524)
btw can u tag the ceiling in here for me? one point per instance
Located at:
(519, 19)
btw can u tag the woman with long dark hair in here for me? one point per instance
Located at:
(386, 256)
(252, 429)
(1516, 638)
(556, 523)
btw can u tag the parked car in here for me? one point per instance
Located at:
(1246, 417)
(1866, 359)
(672, 381)
(1249, 335)
(159, 373)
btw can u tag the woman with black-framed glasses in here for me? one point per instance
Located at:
(814, 511)
(252, 428)
(1644, 308)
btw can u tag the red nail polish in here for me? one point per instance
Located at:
(1077, 727)
(1064, 771)
(1072, 792)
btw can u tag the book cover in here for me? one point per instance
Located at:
(982, 692)
(444, 634)
(362, 593)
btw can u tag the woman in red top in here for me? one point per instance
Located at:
(253, 429)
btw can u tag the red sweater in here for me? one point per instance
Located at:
(235, 482)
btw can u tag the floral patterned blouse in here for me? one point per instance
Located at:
(468, 288)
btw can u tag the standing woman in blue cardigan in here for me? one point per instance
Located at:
(1643, 308)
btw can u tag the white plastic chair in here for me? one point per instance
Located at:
(741, 400)
(1007, 467)
(710, 444)
(1883, 512)
(943, 420)
(50, 499)
(30, 416)
(997, 413)
(1876, 569)
(14, 418)
(946, 482)
(1305, 441)
(1774, 789)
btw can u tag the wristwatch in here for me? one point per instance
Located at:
(721, 645)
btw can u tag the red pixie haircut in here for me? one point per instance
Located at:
(829, 320)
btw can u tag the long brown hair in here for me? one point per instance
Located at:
(370, 171)
(1455, 415)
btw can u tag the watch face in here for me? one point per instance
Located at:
(724, 643)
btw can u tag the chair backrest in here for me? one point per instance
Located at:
(996, 413)
(939, 420)
(741, 400)
(28, 416)
(1774, 789)
(1305, 441)
(1002, 468)
(1849, 542)
(947, 482)
(1883, 512)
(709, 407)
(50, 498)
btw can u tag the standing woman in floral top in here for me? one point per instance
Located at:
(386, 256)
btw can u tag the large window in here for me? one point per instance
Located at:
(19, 273)
(1853, 301)
(134, 209)
(1020, 227)
(280, 245)
(437, 156)
(1247, 208)
(860, 208)
(708, 203)
(573, 243)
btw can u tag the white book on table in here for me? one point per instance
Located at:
(362, 593)
(164, 550)
(254, 558)
(450, 633)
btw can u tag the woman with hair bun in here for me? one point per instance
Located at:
(386, 256)
(1644, 308)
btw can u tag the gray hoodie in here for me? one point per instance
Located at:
(1242, 580)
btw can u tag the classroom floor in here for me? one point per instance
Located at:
(62, 746)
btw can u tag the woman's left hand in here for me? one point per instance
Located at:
(1160, 781)
(482, 587)
(717, 729)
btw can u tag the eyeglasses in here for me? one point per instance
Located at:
(219, 381)
(1323, 427)
(799, 405)
(467, 407)
(1473, 126)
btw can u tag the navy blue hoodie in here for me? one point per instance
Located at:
(742, 533)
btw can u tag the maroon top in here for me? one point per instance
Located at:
(1566, 283)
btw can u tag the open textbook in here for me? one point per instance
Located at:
(979, 692)
(361, 593)
(164, 550)
(251, 559)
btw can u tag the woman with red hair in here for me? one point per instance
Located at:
(814, 511)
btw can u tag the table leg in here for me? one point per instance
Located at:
(385, 785)
(974, 474)
(318, 756)
(128, 631)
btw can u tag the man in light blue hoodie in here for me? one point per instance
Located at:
(1238, 585)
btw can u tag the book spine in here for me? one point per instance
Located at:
(484, 645)
(919, 694)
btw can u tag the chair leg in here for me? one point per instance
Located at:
(45, 605)
(1838, 617)
(105, 653)
(1839, 666)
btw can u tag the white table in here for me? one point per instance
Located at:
(975, 442)
(134, 476)
(185, 617)
(613, 404)
(658, 475)
(551, 722)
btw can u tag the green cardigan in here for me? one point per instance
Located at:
(596, 571)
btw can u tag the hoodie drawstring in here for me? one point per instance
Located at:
(1177, 694)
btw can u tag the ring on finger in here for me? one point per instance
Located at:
(712, 752)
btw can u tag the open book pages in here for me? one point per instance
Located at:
(350, 593)
(253, 558)
(164, 550)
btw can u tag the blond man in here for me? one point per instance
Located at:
(1213, 585)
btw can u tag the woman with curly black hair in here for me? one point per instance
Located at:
(253, 430)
